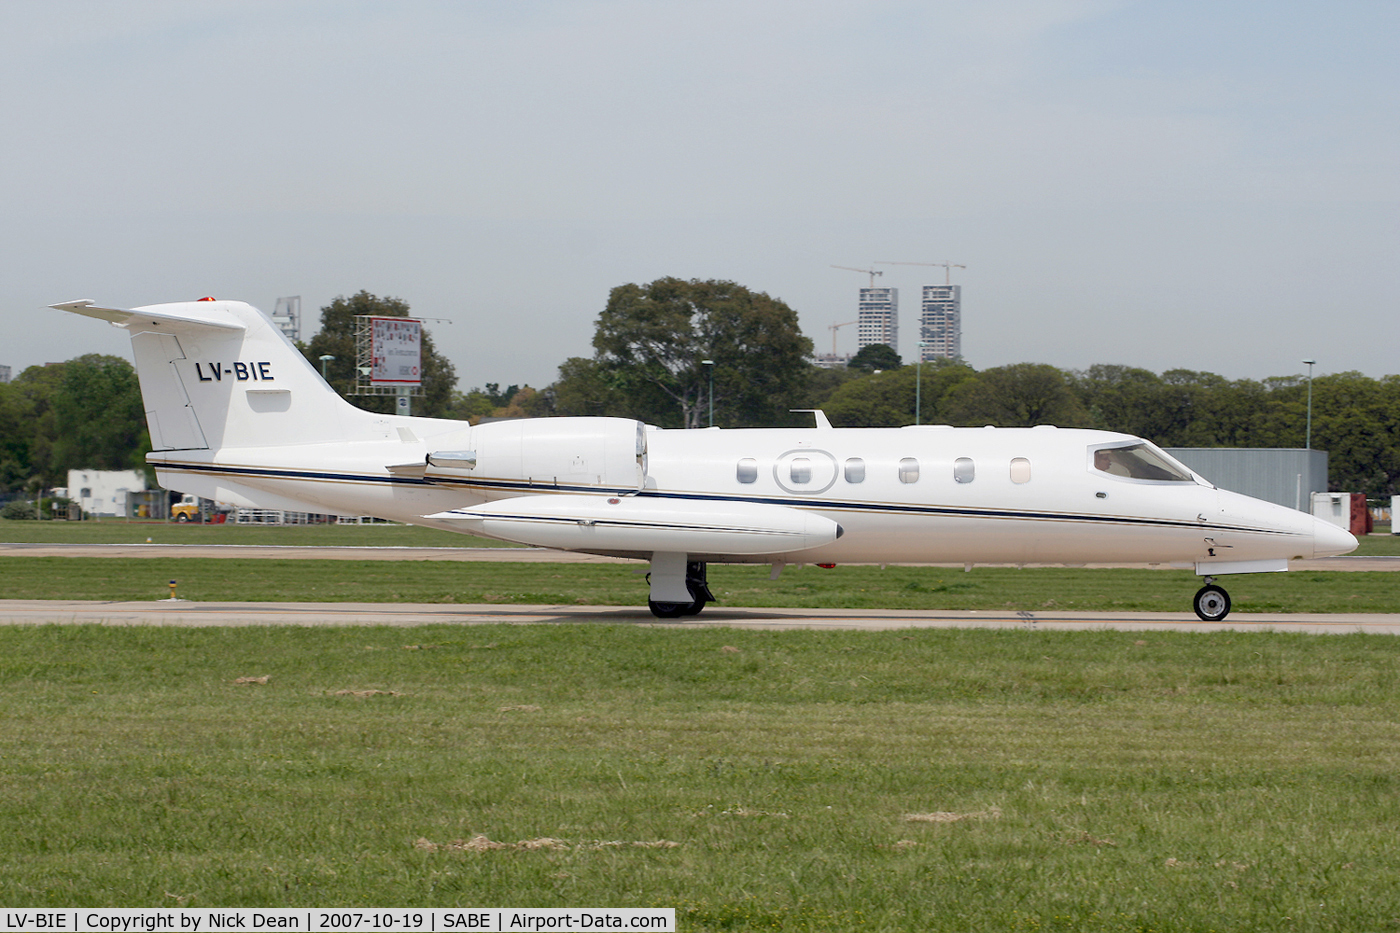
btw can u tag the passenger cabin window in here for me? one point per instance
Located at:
(801, 471)
(855, 470)
(964, 470)
(1139, 461)
(908, 470)
(747, 471)
(1020, 470)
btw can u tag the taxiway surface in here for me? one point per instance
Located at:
(188, 613)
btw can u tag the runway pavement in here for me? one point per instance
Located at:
(187, 613)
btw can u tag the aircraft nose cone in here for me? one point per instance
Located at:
(1330, 541)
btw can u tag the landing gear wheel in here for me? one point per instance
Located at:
(698, 587)
(695, 585)
(674, 610)
(1211, 603)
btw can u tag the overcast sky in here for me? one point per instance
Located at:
(1212, 185)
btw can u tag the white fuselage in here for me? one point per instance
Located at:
(919, 494)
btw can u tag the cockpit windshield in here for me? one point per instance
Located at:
(1139, 461)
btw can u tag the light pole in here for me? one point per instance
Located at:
(711, 365)
(919, 384)
(1308, 443)
(325, 358)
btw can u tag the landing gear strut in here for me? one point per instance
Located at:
(699, 595)
(1212, 603)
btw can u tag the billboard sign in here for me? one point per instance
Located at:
(396, 351)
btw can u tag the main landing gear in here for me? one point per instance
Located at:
(1211, 603)
(699, 595)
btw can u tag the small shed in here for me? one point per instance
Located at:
(103, 492)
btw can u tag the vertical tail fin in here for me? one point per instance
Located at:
(220, 374)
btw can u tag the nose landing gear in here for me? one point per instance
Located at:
(1211, 602)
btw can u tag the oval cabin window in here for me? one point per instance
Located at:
(964, 470)
(1020, 470)
(908, 470)
(801, 471)
(747, 471)
(855, 470)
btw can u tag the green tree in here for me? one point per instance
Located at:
(886, 399)
(29, 451)
(98, 416)
(1122, 398)
(587, 388)
(657, 335)
(337, 338)
(875, 356)
(823, 383)
(1202, 409)
(85, 413)
(1357, 420)
(16, 438)
(470, 406)
(1019, 395)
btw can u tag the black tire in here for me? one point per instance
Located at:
(1211, 603)
(182, 518)
(672, 610)
(699, 596)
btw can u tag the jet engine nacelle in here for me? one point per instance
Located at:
(576, 454)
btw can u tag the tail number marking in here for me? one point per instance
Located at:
(257, 372)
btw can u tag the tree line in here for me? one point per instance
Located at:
(83, 414)
(674, 351)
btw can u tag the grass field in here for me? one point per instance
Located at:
(853, 587)
(919, 780)
(116, 531)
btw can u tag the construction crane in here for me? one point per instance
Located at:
(870, 272)
(948, 267)
(834, 328)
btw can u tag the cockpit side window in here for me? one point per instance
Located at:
(1139, 461)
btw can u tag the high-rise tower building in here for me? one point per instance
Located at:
(878, 320)
(940, 323)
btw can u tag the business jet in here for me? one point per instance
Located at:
(237, 414)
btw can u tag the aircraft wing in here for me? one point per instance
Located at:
(634, 523)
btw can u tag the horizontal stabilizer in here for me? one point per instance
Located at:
(632, 523)
(190, 314)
